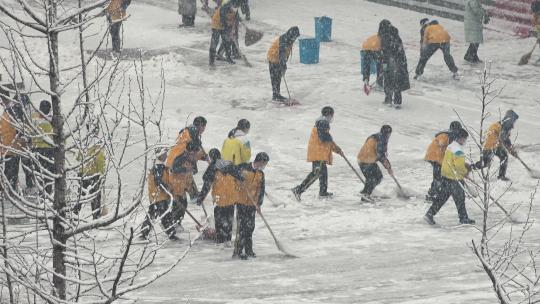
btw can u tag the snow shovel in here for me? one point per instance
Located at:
(206, 232)
(496, 202)
(525, 58)
(244, 58)
(291, 102)
(353, 168)
(401, 193)
(252, 36)
(279, 246)
(532, 172)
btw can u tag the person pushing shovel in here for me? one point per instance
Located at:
(250, 200)
(374, 150)
(454, 170)
(320, 148)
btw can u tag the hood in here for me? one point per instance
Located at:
(292, 34)
(434, 22)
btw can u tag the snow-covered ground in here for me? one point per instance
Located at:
(348, 252)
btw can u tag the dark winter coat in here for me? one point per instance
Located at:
(187, 7)
(396, 73)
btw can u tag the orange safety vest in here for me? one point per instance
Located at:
(8, 136)
(368, 153)
(373, 43)
(115, 10)
(156, 194)
(493, 136)
(183, 139)
(273, 52)
(216, 19)
(435, 151)
(435, 33)
(319, 150)
(224, 190)
(249, 193)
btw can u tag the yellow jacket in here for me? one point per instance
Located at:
(435, 33)
(236, 148)
(373, 43)
(437, 148)
(454, 166)
(93, 161)
(43, 124)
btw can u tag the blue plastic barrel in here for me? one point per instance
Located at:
(372, 64)
(323, 28)
(309, 50)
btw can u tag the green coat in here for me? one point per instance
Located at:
(474, 21)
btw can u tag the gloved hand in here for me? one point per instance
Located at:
(385, 66)
(486, 19)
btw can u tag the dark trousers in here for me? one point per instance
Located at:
(429, 50)
(391, 96)
(437, 181)
(244, 7)
(455, 190)
(319, 171)
(373, 176)
(224, 217)
(179, 209)
(46, 162)
(28, 169)
(91, 187)
(115, 36)
(11, 170)
(246, 222)
(472, 52)
(276, 72)
(370, 56)
(487, 157)
(188, 20)
(214, 41)
(160, 210)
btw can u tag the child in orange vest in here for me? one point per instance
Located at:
(320, 148)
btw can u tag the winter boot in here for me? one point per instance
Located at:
(326, 195)
(466, 221)
(296, 193)
(367, 198)
(429, 219)
(504, 178)
(249, 248)
(279, 98)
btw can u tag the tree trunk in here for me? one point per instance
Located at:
(59, 204)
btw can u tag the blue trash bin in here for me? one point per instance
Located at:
(323, 28)
(372, 64)
(309, 50)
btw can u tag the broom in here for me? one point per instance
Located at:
(525, 58)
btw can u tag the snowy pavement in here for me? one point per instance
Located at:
(348, 252)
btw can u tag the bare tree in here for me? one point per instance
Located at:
(502, 251)
(78, 243)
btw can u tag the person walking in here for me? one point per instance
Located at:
(454, 170)
(116, 13)
(396, 73)
(320, 148)
(435, 156)
(475, 18)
